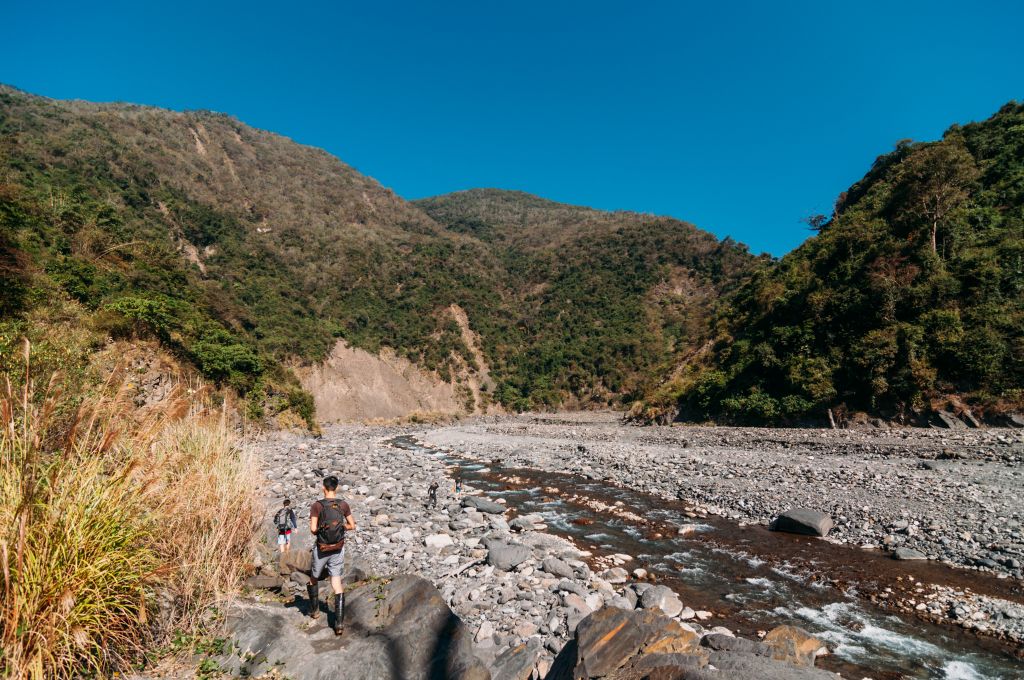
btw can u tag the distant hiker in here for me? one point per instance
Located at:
(285, 522)
(329, 519)
(458, 483)
(432, 494)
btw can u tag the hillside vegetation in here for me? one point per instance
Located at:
(244, 252)
(910, 298)
(605, 302)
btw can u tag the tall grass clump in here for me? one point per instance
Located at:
(116, 527)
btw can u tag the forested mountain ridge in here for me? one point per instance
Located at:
(237, 248)
(612, 299)
(244, 252)
(909, 299)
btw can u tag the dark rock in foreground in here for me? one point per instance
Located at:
(803, 521)
(517, 663)
(397, 629)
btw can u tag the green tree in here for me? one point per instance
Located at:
(934, 182)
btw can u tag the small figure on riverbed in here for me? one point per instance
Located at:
(329, 519)
(458, 483)
(285, 522)
(432, 494)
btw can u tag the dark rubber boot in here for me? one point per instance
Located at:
(339, 613)
(313, 590)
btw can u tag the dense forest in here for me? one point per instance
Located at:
(606, 302)
(244, 253)
(910, 298)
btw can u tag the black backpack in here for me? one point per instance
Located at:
(330, 528)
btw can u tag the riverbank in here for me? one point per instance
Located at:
(539, 588)
(954, 496)
(550, 583)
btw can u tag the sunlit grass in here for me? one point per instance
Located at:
(101, 515)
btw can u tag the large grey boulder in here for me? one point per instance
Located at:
(738, 666)
(803, 521)
(264, 581)
(483, 505)
(949, 420)
(507, 556)
(663, 598)
(728, 643)
(557, 567)
(399, 629)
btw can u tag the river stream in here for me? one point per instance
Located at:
(753, 579)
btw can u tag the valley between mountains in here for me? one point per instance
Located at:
(628, 401)
(255, 260)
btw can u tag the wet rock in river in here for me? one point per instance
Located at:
(908, 554)
(483, 505)
(803, 521)
(795, 645)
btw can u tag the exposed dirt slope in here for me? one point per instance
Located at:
(353, 385)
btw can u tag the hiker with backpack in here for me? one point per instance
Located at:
(285, 522)
(432, 494)
(329, 519)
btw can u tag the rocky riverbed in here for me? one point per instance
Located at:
(515, 584)
(521, 591)
(951, 496)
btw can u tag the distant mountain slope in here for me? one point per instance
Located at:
(910, 298)
(608, 300)
(519, 219)
(245, 252)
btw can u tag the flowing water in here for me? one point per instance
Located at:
(754, 579)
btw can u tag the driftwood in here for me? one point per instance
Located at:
(465, 566)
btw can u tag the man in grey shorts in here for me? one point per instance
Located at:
(329, 519)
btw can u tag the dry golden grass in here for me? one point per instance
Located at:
(100, 515)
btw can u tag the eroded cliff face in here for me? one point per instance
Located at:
(354, 385)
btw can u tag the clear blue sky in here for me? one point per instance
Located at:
(741, 117)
